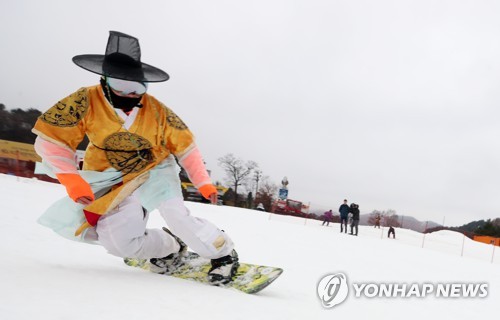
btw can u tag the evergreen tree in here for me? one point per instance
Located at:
(489, 229)
(16, 125)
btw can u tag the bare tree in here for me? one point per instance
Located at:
(391, 218)
(237, 171)
(266, 193)
(372, 220)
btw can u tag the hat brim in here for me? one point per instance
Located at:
(95, 63)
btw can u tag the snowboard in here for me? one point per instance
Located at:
(249, 278)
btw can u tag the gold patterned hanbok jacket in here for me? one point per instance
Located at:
(156, 133)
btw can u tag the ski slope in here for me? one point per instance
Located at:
(44, 276)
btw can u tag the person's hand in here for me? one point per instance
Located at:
(77, 188)
(214, 198)
(84, 200)
(209, 192)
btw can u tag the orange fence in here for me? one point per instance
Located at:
(488, 240)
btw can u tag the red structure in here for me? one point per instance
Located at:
(290, 207)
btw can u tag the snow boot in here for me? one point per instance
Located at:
(223, 269)
(169, 263)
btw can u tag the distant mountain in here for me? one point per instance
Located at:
(406, 222)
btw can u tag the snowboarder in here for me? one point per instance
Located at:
(391, 231)
(328, 215)
(129, 166)
(344, 212)
(354, 210)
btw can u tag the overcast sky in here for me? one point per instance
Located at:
(390, 104)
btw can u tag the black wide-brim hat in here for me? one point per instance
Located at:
(122, 60)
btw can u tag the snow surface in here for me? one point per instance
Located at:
(44, 276)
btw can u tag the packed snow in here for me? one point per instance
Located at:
(44, 276)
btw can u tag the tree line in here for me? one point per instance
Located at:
(488, 227)
(16, 124)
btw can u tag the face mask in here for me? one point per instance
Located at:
(124, 103)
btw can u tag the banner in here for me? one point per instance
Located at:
(283, 194)
(18, 151)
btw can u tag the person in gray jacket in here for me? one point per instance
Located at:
(354, 209)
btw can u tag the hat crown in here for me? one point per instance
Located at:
(124, 45)
(122, 60)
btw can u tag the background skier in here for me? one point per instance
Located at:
(377, 221)
(328, 215)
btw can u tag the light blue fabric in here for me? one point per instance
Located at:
(65, 216)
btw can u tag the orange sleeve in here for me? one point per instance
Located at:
(207, 189)
(76, 186)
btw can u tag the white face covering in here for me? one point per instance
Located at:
(125, 87)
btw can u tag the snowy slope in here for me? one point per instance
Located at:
(43, 276)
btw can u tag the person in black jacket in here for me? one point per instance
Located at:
(354, 209)
(344, 213)
(391, 231)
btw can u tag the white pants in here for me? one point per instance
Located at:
(123, 232)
